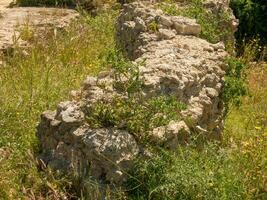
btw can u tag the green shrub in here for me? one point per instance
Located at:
(235, 87)
(252, 15)
(136, 115)
(153, 26)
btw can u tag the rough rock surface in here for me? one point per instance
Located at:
(13, 19)
(183, 65)
(177, 63)
(72, 145)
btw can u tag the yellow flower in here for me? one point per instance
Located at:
(245, 143)
(210, 184)
(260, 140)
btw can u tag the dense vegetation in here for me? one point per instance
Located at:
(36, 80)
(252, 15)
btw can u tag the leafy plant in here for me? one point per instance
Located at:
(126, 73)
(135, 114)
(235, 87)
(252, 15)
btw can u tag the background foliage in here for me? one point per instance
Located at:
(252, 15)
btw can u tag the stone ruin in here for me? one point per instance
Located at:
(177, 62)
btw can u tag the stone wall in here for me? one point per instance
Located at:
(176, 62)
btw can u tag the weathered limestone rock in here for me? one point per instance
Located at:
(185, 26)
(182, 65)
(70, 144)
(176, 63)
(171, 135)
(12, 21)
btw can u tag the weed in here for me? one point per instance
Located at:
(234, 87)
(136, 115)
(153, 26)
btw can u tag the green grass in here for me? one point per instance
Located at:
(33, 82)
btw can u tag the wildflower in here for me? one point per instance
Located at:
(210, 183)
(246, 143)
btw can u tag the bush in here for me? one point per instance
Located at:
(252, 15)
(234, 87)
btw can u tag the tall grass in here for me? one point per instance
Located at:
(35, 80)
